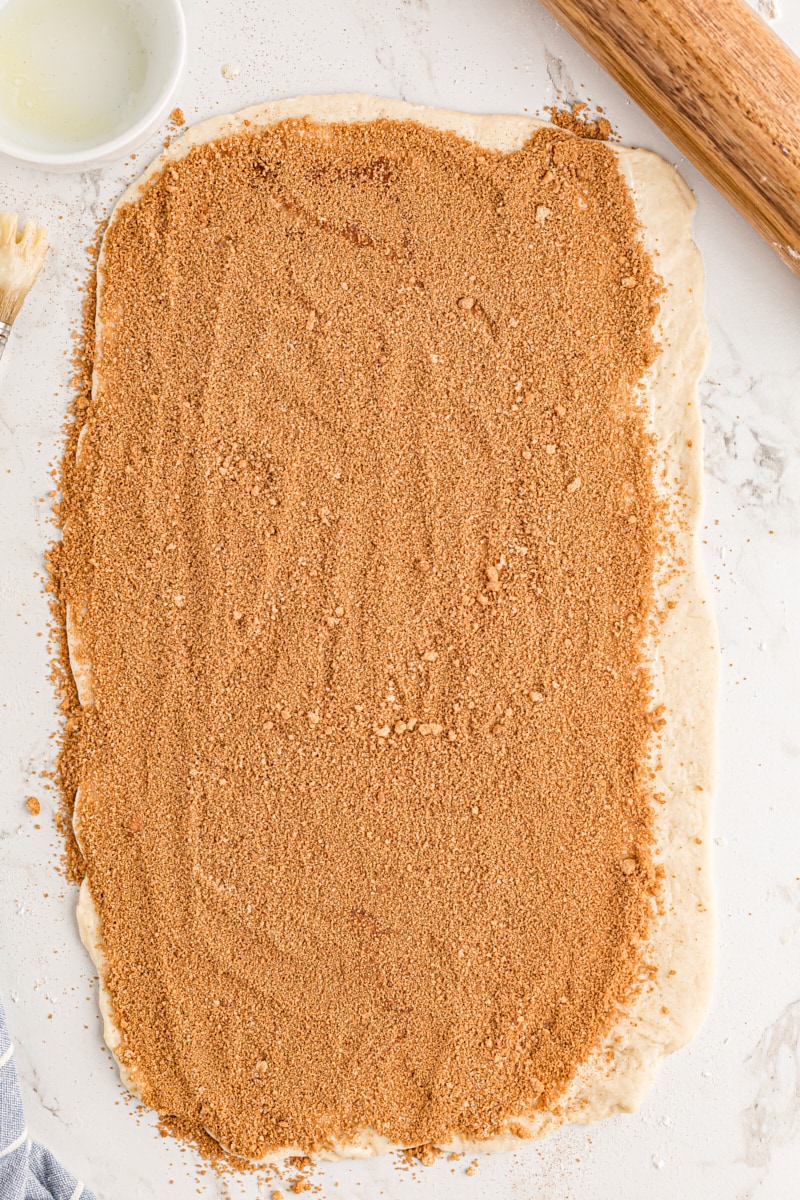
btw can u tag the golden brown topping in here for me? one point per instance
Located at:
(365, 611)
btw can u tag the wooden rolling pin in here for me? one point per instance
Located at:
(722, 86)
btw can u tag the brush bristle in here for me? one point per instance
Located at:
(22, 255)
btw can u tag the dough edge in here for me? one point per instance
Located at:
(662, 1018)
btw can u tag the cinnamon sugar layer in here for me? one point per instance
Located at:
(359, 545)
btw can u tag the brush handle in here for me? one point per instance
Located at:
(5, 330)
(722, 86)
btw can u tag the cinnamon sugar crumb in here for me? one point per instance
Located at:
(427, 1155)
(574, 119)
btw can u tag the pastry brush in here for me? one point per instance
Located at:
(22, 254)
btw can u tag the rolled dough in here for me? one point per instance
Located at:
(669, 1009)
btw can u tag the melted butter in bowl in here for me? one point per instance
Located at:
(84, 81)
(70, 73)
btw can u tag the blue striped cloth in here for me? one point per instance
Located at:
(27, 1170)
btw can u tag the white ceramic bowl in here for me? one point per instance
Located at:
(162, 28)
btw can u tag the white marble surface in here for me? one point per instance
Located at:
(723, 1120)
